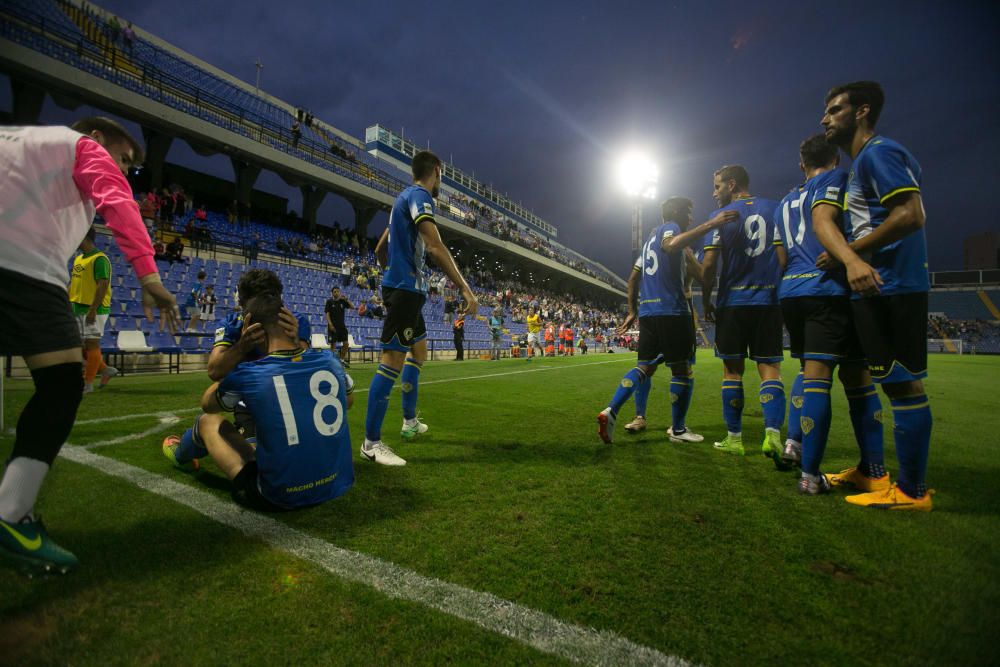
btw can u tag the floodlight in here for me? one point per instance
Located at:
(637, 175)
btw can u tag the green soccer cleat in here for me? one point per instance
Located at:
(170, 444)
(731, 444)
(27, 546)
(773, 449)
(412, 431)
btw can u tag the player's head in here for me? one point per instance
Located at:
(210, 289)
(335, 292)
(89, 240)
(729, 181)
(258, 281)
(426, 169)
(817, 153)
(120, 145)
(202, 275)
(264, 309)
(677, 209)
(851, 107)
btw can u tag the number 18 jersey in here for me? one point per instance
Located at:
(299, 403)
(750, 271)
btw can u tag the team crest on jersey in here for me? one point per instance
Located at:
(220, 333)
(807, 425)
(626, 383)
(766, 398)
(407, 387)
(407, 333)
(797, 402)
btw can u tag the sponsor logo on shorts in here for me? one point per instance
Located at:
(626, 383)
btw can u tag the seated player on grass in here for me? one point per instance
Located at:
(298, 399)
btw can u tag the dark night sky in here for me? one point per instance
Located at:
(540, 98)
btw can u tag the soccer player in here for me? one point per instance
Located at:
(817, 313)
(336, 327)
(90, 297)
(192, 303)
(534, 322)
(666, 329)
(568, 335)
(207, 301)
(402, 249)
(54, 179)
(885, 257)
(496, 333)
(299, 400)
(748, 316)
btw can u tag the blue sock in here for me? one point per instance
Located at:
(190, 447)
(732, 405)
(642, 397)
(795, 410)
(409, 379)
(912, 430)
(866, 418)
(815, 422)
(378, 401)
(681, 388)
(772, 403)
(626, 388)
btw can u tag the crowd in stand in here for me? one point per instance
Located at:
(971, 331)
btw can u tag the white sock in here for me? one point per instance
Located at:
(737, 436)
(789, 441)
(773, 430)
(19, 488)
(410, 422)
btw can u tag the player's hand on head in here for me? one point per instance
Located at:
(289, 324)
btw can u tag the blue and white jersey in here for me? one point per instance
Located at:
(661, 287)
(793, 220)
(882, 170)
(407, 255)
(299, 404)
(750, 272)
(232, 329)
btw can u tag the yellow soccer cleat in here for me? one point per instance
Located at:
(855, 478)
(893, 498)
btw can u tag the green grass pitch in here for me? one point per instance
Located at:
(698, 554)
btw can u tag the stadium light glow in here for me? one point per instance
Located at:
(638, 175)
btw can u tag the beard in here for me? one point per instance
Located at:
(841, 136)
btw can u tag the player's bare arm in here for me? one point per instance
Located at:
(709, 269)
(675, 243)
(860, 275)
(102, 289)
(210, 400)
(695, 270)
(633, 301)
(906, 215)
(442, 257)
(382, 249)
(782, 254)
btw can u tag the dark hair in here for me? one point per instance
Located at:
(860, 93)
(675, 207)
(734, 172)
(816, 151)
(202, 275)
(423, 165)
(264, 309)
(258, 281)
(112, 130)
(334, 288)
(91, 234)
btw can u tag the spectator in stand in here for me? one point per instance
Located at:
(345, 272)
(362, 281)
(129, 38)
(194, 296)
(147, 209)
(458, 336)
(175, 250)
(296, 134)
(207, 302)
(232, 211)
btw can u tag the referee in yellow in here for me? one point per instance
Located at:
(90, 297)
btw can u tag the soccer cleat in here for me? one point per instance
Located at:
(606, 425)
(170, 444)
(379, 452)
(636, 425)
(108, 373)
(687, 435)
(771, 447)
(28, 547)
(792, 456)
(345, 364)
(814, 485)
(410, 432)
(855, 478)
(88, 388)
(731, 444)
(893, 498)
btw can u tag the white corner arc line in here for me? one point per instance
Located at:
(528, 626)
(166, 422)
(139, 415)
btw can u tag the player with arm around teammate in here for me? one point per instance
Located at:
(666, 330)
(54, 180)
(748, 320)
(817, 313)
(299, 400)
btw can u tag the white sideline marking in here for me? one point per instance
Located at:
(161, 414)
(166, 421)
(528, 626)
